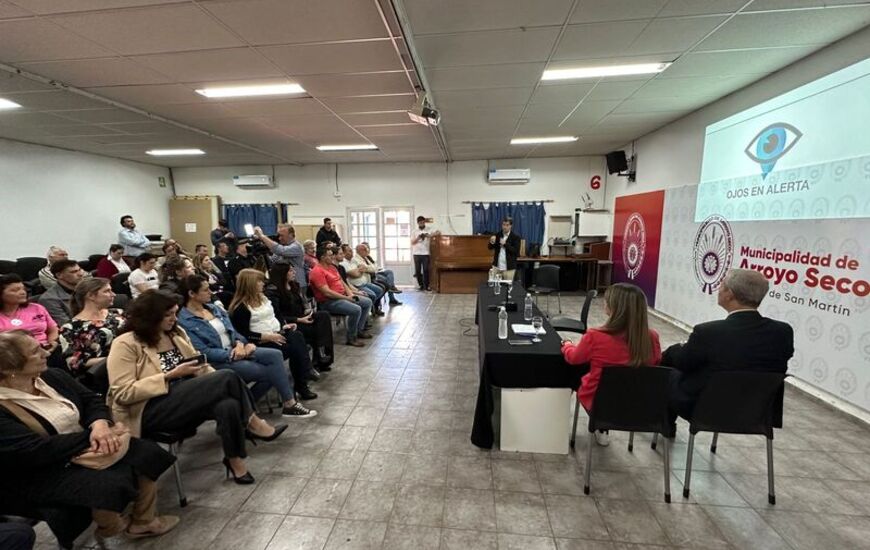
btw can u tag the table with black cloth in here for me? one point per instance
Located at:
(502, 365)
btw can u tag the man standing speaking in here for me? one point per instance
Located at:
(506, 248)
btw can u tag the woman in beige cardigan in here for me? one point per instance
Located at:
(154, 388)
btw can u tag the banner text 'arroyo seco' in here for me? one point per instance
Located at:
(813, 276)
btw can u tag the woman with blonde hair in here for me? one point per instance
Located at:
(86, 338)
(254, 317)
(624, 339)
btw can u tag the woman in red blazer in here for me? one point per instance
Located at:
(111, 265)
(625, 339)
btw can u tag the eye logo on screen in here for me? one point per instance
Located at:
(633, 245)
(713, 251)
(770, 144)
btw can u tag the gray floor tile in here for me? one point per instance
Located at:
(301, 533)
(805, 530)
(322, 498)
(583, 544)
(428, 469)
(248, 530)
(631, 521)
(275, 494)
(380, 466)
(459, 539)
(392, 440)
(340, 463)
(418, 504)
(369, 500)
(521, 513)
(575, 517)
(469, 509)
(744, 528)
(356, 535)
(515, 475)
(412, 537)
(469, 472)
(525, 542)
(687, 525)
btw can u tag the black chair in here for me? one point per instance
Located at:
(28, 267)
(567, 324)
(632, 399)
(120, 285)
(738, 402)
(94, 259)
(6, 267)
(546, 282)
(86, 265)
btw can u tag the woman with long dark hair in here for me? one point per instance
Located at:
(291, 307)
(624, 339)
(158, 385)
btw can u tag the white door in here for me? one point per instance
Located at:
(364, 229)
(397, 242)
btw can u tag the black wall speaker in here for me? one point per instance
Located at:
(616, 162)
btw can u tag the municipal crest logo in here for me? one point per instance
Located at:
(633, 245)
(713, 252)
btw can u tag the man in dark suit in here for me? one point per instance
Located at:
(327, 233)
(742, 341)
(506, 248)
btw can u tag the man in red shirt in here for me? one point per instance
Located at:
(333, 295)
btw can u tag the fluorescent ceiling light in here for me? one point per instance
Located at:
(174, 152)
(360, 147)
(249, 91)
(612, 70)
(536, 140)
(6, 104)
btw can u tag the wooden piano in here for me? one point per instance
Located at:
(459, 263)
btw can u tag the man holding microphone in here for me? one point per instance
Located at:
(506, 248)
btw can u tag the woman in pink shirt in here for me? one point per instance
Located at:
(625, 339)
(17, 314)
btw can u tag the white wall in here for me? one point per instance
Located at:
(51, 196)
(433, 189)
(671, 156)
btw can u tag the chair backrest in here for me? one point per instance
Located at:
(97, 377)
(28, 267)
(7, 266)
(632, 399)
(738, 402)
(95, 259)
(86, 265)
(584, 313)
(120, 284)
(547, 276)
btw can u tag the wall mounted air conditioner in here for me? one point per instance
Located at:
(253, 181)
(509, 176)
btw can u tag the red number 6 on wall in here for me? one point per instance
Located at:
(595, 182)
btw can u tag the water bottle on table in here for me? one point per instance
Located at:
(502, 324)
(527, 310)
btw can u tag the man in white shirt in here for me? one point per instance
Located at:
(355, 268)
(420, 239)
(506, 248)
(135, 243)
(382, 277)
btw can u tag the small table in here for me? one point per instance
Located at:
(504, 366)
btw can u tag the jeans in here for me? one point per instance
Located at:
(374, 292)
(266, 369)
(388, 278)
(357, 314)
(295, 350)
(421, 270)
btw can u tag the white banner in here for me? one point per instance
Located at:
(818, 270)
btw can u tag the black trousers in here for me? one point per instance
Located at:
(221, 396)
(421, 270)
(16, 535)
(318, 335)
(295, 351)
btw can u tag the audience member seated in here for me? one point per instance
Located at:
(624, 339)
(173, 271)
(112, 264)
(85, 339)
(292, 307)
(357, 277)
(204, 267)
(334, 296)
(213, 335)
(242, 260)
(55, 300)
(55, 254)
(144, 276)
(382, 277)
(135, 243)
(744, 340)
(19, 314)
(171, 250)
(221, 258)
(252, 314)
(54, 435)
(156, 384)
(310, 257)
(200, 250)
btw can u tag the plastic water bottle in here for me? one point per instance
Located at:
(502, 324)
(527, 310)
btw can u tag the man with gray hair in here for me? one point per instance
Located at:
(287, 250)
(744, 340)
(55, 254)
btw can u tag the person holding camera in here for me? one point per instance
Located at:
(287, 250)
(506, 248)
(420, 239)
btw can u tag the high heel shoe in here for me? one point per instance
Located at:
(246, 479)
(252, 437)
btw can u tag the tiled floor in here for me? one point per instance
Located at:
(388, 464)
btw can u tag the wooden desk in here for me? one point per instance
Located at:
(459, 263)
(578, 272)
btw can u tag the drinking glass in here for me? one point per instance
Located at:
(497, 286)
(537, 323)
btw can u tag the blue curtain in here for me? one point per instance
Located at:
(264, 215)
(528, 219)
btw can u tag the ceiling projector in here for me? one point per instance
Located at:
(423, 113)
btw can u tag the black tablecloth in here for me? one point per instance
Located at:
(505, 366)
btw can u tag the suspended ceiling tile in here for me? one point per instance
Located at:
(100, 116)
(561, 93)
(486, 48)
(45, 7)
(19, 119)
(276, 107)
(361, 84)
(53, 101)
(662, 36)
(376, 119)
(369, 104)
(13, 83)
(148, 95)
(598, 40)
(652, 105)
(404, 129)
(168, 28)
(38, 40)
(485, 77)
(594, 11)
(211, 65)
(10, 11)
(445, 16)
(193, 113)
(736, 62)
(262, 22)
(691, 87)
(86, 73)
(495, 97)
(355, 57)
(79, 130)
(762, 5)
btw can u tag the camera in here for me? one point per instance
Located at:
(423, 113)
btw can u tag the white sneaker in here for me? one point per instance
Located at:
(602, 438)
